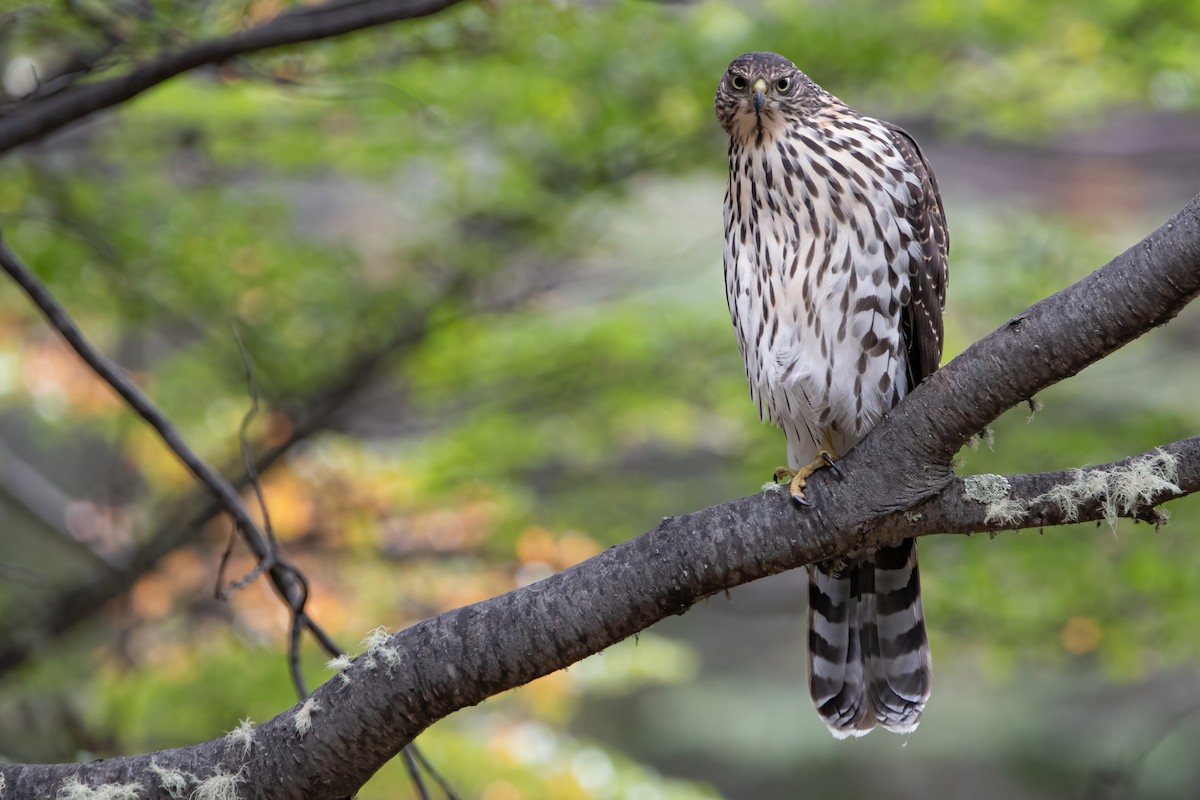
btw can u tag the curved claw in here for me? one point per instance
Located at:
(824, 459)
(796, 487)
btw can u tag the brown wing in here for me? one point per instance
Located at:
(921, 319)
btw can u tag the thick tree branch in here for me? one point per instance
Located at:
(303, 24)
(1055, 498)
(460, 658)
(455, 660)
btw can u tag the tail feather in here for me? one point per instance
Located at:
(868, 660)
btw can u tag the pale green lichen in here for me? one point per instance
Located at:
(242, 735)
(303, 717)
(913, 516)
(378, 644)
(995, 493)
(174, 782)
(377, 638)
(1119, 491)
(221, 786)
(1035, 406)
(986, 436)
(391, 655)
(340, 665)
(73, 789)
(772, 487)
(1083, 488)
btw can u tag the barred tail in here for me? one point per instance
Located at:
(868, 656)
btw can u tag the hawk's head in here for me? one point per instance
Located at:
(761, 91)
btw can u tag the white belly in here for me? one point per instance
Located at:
(815, 286)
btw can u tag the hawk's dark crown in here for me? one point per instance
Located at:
(786, 91)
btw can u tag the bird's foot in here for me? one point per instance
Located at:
(782, 475)
(798, 479)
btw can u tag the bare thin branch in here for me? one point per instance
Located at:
(414, 774)
(282, 577)
(433, 773)
(115, 377)
(223, 592)
(305, 24)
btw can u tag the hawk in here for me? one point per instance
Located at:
(835, 273)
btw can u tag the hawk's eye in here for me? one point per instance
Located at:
(737, 82)
(783, 84)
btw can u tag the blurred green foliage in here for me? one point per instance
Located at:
(540, 183)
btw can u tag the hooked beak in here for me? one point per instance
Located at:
(760, 98)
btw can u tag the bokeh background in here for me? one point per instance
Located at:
(476, 262)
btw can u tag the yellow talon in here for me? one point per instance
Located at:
(799, 478)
